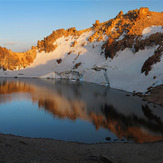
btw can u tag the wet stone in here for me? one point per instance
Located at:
(108, 138)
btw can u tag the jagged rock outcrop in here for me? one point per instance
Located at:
(47, 43)
(132, 24)
(11, 60)
(156, 57)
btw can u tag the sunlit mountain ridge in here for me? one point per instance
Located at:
(123, 52)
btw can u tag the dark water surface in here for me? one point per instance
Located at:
(75, 111)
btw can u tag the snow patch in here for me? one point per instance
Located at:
(151, 30)
(121, 37)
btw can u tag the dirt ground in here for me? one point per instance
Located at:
(19, 149)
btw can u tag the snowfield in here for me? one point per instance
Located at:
(122, 72)
(151, 30)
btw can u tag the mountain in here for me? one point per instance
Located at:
(124, 52)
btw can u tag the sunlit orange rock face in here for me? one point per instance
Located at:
(130, 25)
(133, 24)
(47, 43)
(139, 129)
(11, 60)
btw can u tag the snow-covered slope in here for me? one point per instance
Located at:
(86, 61)
(123, 71)
(151, 30)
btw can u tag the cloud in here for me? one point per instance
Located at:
(8, 43)
(19, 46)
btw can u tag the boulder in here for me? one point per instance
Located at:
(143, 10)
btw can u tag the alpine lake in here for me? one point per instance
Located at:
(76, 111)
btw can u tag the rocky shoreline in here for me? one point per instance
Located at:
(156, 95)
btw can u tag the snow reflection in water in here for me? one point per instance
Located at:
(80, 112)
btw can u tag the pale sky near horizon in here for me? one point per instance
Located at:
(25, 22)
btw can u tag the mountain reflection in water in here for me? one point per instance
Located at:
(126, 116)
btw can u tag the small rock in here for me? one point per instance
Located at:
(105, 159)
(22, 142)
(108, 138)
(154, 77)
(59, 61)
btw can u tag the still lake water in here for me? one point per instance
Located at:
(75, 111)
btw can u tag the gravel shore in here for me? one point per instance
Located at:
(31, 150)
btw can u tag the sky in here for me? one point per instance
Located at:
(23, 23)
